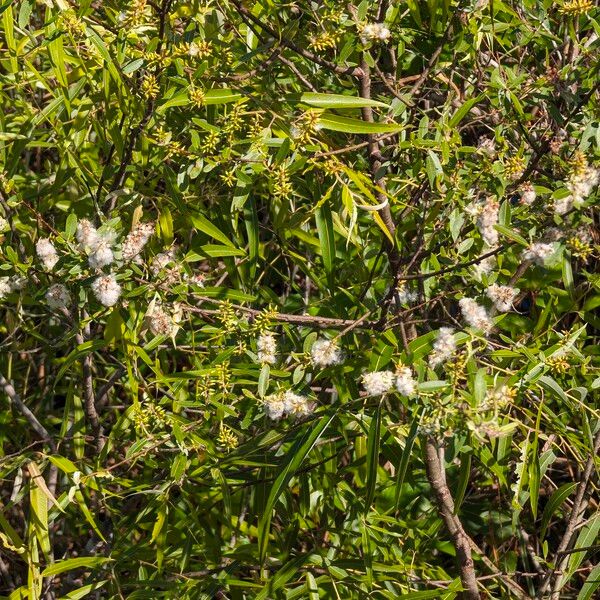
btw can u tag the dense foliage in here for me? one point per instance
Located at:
(299, 299)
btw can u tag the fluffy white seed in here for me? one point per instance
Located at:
(475, 315)
(58, 296)
(502, 296)
(267, 348)
(159, 321)
(528, 194)
(486, 221)
(275, 406)
(484, 267)
(46, 253)
(375, 32)
(404, 295)
(378, 383)
(325, 353)
(136, 239)
(443, 347)
(286, 403)
(538, 252)
(161, 261)
(101, 254)
(86, 235)
(406, 384)
(5, 287)
(296, 405)
(106, 289)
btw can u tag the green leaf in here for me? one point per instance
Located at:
(84, 591)
(25, 13)
(592, 583)
(373, 441)
(71, 226)
(87, 513)
(133, 66)
(348, 125)
(567, 274)
(9, 37)
(405, 458)
(70, 564)
(588, 536)
(511, 234)
(333, 101)
(326, 239)
(263, 380)
(211, 97)
(462, 112)
(463, 480)
(216, 251)
(552, 386)
(38, 505)
(283, 575)
(203, 224)
(557, 498)
(296, 456)
(82, 350)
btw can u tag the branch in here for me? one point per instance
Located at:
(89, 397)
(248, 16)
(313, 321)
(15, 399)
(573, 523)
(445, 505)
(436, 54)
(375, 167)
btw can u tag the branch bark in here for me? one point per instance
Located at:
(247, 16)
(445, 505)
(375, 167)
(575, 519)
(16, 401)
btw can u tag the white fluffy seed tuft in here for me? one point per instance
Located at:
(378, 383)
(136, 239)
(86, 235)
(502, 296)
(267, 348)
(46, 253)
(488, 217)
(288, 403)
(325, 353)
(538, 252)
(58, 297)
(475, 315)
(443, 347)
(106, 289)
(406, 383)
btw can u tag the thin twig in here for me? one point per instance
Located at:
(246, 15)
(573, 523)
(15, 399)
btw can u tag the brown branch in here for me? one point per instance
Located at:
(89, 397)
(247, 16)
(310, 320)
(16, 401)
(135, 132)
(575, 518)
(436, 54)
(103, 391)
(445, 506)
(375, 164)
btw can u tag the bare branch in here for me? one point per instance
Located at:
(15, 399)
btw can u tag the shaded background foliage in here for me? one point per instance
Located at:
(312, 177)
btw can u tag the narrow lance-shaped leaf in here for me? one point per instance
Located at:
(297, 454)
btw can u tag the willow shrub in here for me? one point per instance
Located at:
(298, 299)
